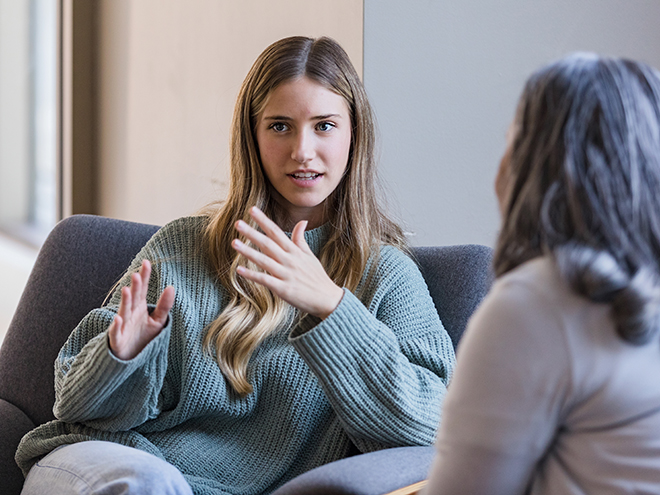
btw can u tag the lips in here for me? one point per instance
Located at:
(305, 175)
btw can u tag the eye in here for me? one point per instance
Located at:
(325, 126)
(279, 127)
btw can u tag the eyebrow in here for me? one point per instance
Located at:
(317, 117)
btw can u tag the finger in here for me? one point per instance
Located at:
(276, 248)
(125, 303)
(270, 228)
(260, 259)
(163, 306)
(298, 235)
(136, 289)
(115, 326)
(114, 331)
(262, 278)
(145, 274)
(263, 242)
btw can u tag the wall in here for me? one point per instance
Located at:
(168, 74)
(444, 78)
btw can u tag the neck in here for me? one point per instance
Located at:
(289, 215)
(288, 220)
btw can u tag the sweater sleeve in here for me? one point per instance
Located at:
(384, 367)
(505, 401)
(94, 387)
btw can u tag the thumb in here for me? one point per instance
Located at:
(298, 235)
(163, 306)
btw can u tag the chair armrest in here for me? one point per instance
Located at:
(374, 473)
(13, 425)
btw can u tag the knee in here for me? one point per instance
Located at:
(147, 474)
(104, 468)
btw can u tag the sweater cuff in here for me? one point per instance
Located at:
(107, 371)
(350, 330)
(97, 373)
(310, 321)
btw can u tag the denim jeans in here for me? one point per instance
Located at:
(103, 468)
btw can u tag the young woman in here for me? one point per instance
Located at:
(234, 356)
(556, 388)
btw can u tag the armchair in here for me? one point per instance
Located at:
(81, 260)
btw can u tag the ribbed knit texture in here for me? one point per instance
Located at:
(372, 374)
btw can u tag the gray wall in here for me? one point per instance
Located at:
(444, 78)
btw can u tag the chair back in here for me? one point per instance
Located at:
(458, 278)
(80, 261)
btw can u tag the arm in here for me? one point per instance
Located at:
(383, 368)
(110, 371)
(505, 400)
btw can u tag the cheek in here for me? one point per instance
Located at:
(500, 182)
(503, 179)
(341, 151)
(269, 153)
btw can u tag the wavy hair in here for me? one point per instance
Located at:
(584, 185)
(359, 225)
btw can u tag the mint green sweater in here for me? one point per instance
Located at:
(371, 375)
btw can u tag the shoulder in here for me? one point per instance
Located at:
(536, 282)
(392, 277)
(183, 227)
(393, 262)
(525, 306)
(390, 267)
(182, 235)
(179, 241)
(529, 285)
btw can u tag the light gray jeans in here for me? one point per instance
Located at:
(103, 468)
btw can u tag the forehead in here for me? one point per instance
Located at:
(303, 96)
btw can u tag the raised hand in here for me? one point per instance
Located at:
(133, 327)
(290, 268)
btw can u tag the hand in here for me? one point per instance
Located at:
(133, 327)
(291, 269)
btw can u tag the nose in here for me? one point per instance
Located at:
(303, 147)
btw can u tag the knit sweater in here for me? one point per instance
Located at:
(371, 375)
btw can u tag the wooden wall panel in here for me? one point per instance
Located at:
(168, 75)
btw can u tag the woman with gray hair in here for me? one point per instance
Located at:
(557, 385)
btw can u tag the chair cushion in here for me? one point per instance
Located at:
(374, 473)
(15, 425)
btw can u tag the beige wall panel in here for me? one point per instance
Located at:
(169, 75)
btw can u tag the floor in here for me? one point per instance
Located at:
(16, 261)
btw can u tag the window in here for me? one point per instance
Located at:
(28, 118)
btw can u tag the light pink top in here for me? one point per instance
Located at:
(547, 399)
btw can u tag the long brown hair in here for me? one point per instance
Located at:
(358, 224)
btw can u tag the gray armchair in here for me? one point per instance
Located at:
(82, 259)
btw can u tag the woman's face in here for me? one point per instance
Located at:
(503, 177)
(304, 139)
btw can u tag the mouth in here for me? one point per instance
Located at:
(305, 175)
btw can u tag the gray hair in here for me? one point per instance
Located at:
(585, 185)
